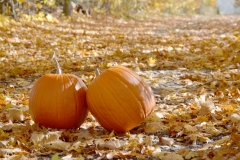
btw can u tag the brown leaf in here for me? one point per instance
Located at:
(57, 145)
(166, 141)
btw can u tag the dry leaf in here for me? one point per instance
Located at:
(52, 136)
(152, 62)
(111, 144)
(235, 118)
(158, 152)
(172, 156)
(206, 108)
(166, 141)
(189, 128)
(57, 145)
(223, 140)
(111, 155)
(15, 115)
(154, 127)
(37, 138)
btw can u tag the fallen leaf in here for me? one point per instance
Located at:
(223, 140)
(158, 152)
(235, 137)
(154, 127)
(52, 136)
(189, 128)
(206, 108)
(15, 115)
(152, 62)
(55, 157)
(167, 141)
(235, 118)
(111, 144)
(57, 145)
(172, 156)
(111, 155)
(191, 155)
(37, 138)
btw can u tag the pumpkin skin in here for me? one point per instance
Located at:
(58, 101)
(119, 99)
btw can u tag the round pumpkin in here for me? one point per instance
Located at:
(119, 99)
(58, 101)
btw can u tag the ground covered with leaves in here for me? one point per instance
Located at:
(192, 64)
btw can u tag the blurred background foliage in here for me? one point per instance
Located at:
(120, 8)
(132, 8)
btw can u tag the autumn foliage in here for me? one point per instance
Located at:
(192, 64)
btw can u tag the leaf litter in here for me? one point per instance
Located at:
(192, 64)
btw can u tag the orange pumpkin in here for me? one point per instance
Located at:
(119, 99)
(58, 101)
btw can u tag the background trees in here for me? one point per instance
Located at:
(122, 8)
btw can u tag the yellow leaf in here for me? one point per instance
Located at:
(49, 17)
(3, 135)
(213, 131)
(189, 128)
(218, 52)
(95, 54)
(39, 5)
(191, 155)
(201, 119)
(9, 105)
(51, 2)
(41, 14)
(237, 58)
(229, 108)
(21, 1)
(55, 157)
(235, 118)
(217, 156)
(151, 62)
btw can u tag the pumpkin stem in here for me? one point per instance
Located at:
(54, 57)
(97, 72)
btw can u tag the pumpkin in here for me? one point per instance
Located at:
(119, 99)
(58, 101)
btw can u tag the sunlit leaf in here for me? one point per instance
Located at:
(151, 61)
(49, 17)
(167, 141)
(55, 157)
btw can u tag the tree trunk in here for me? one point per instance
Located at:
(13, 9)
(2, 7)
(67, 8)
